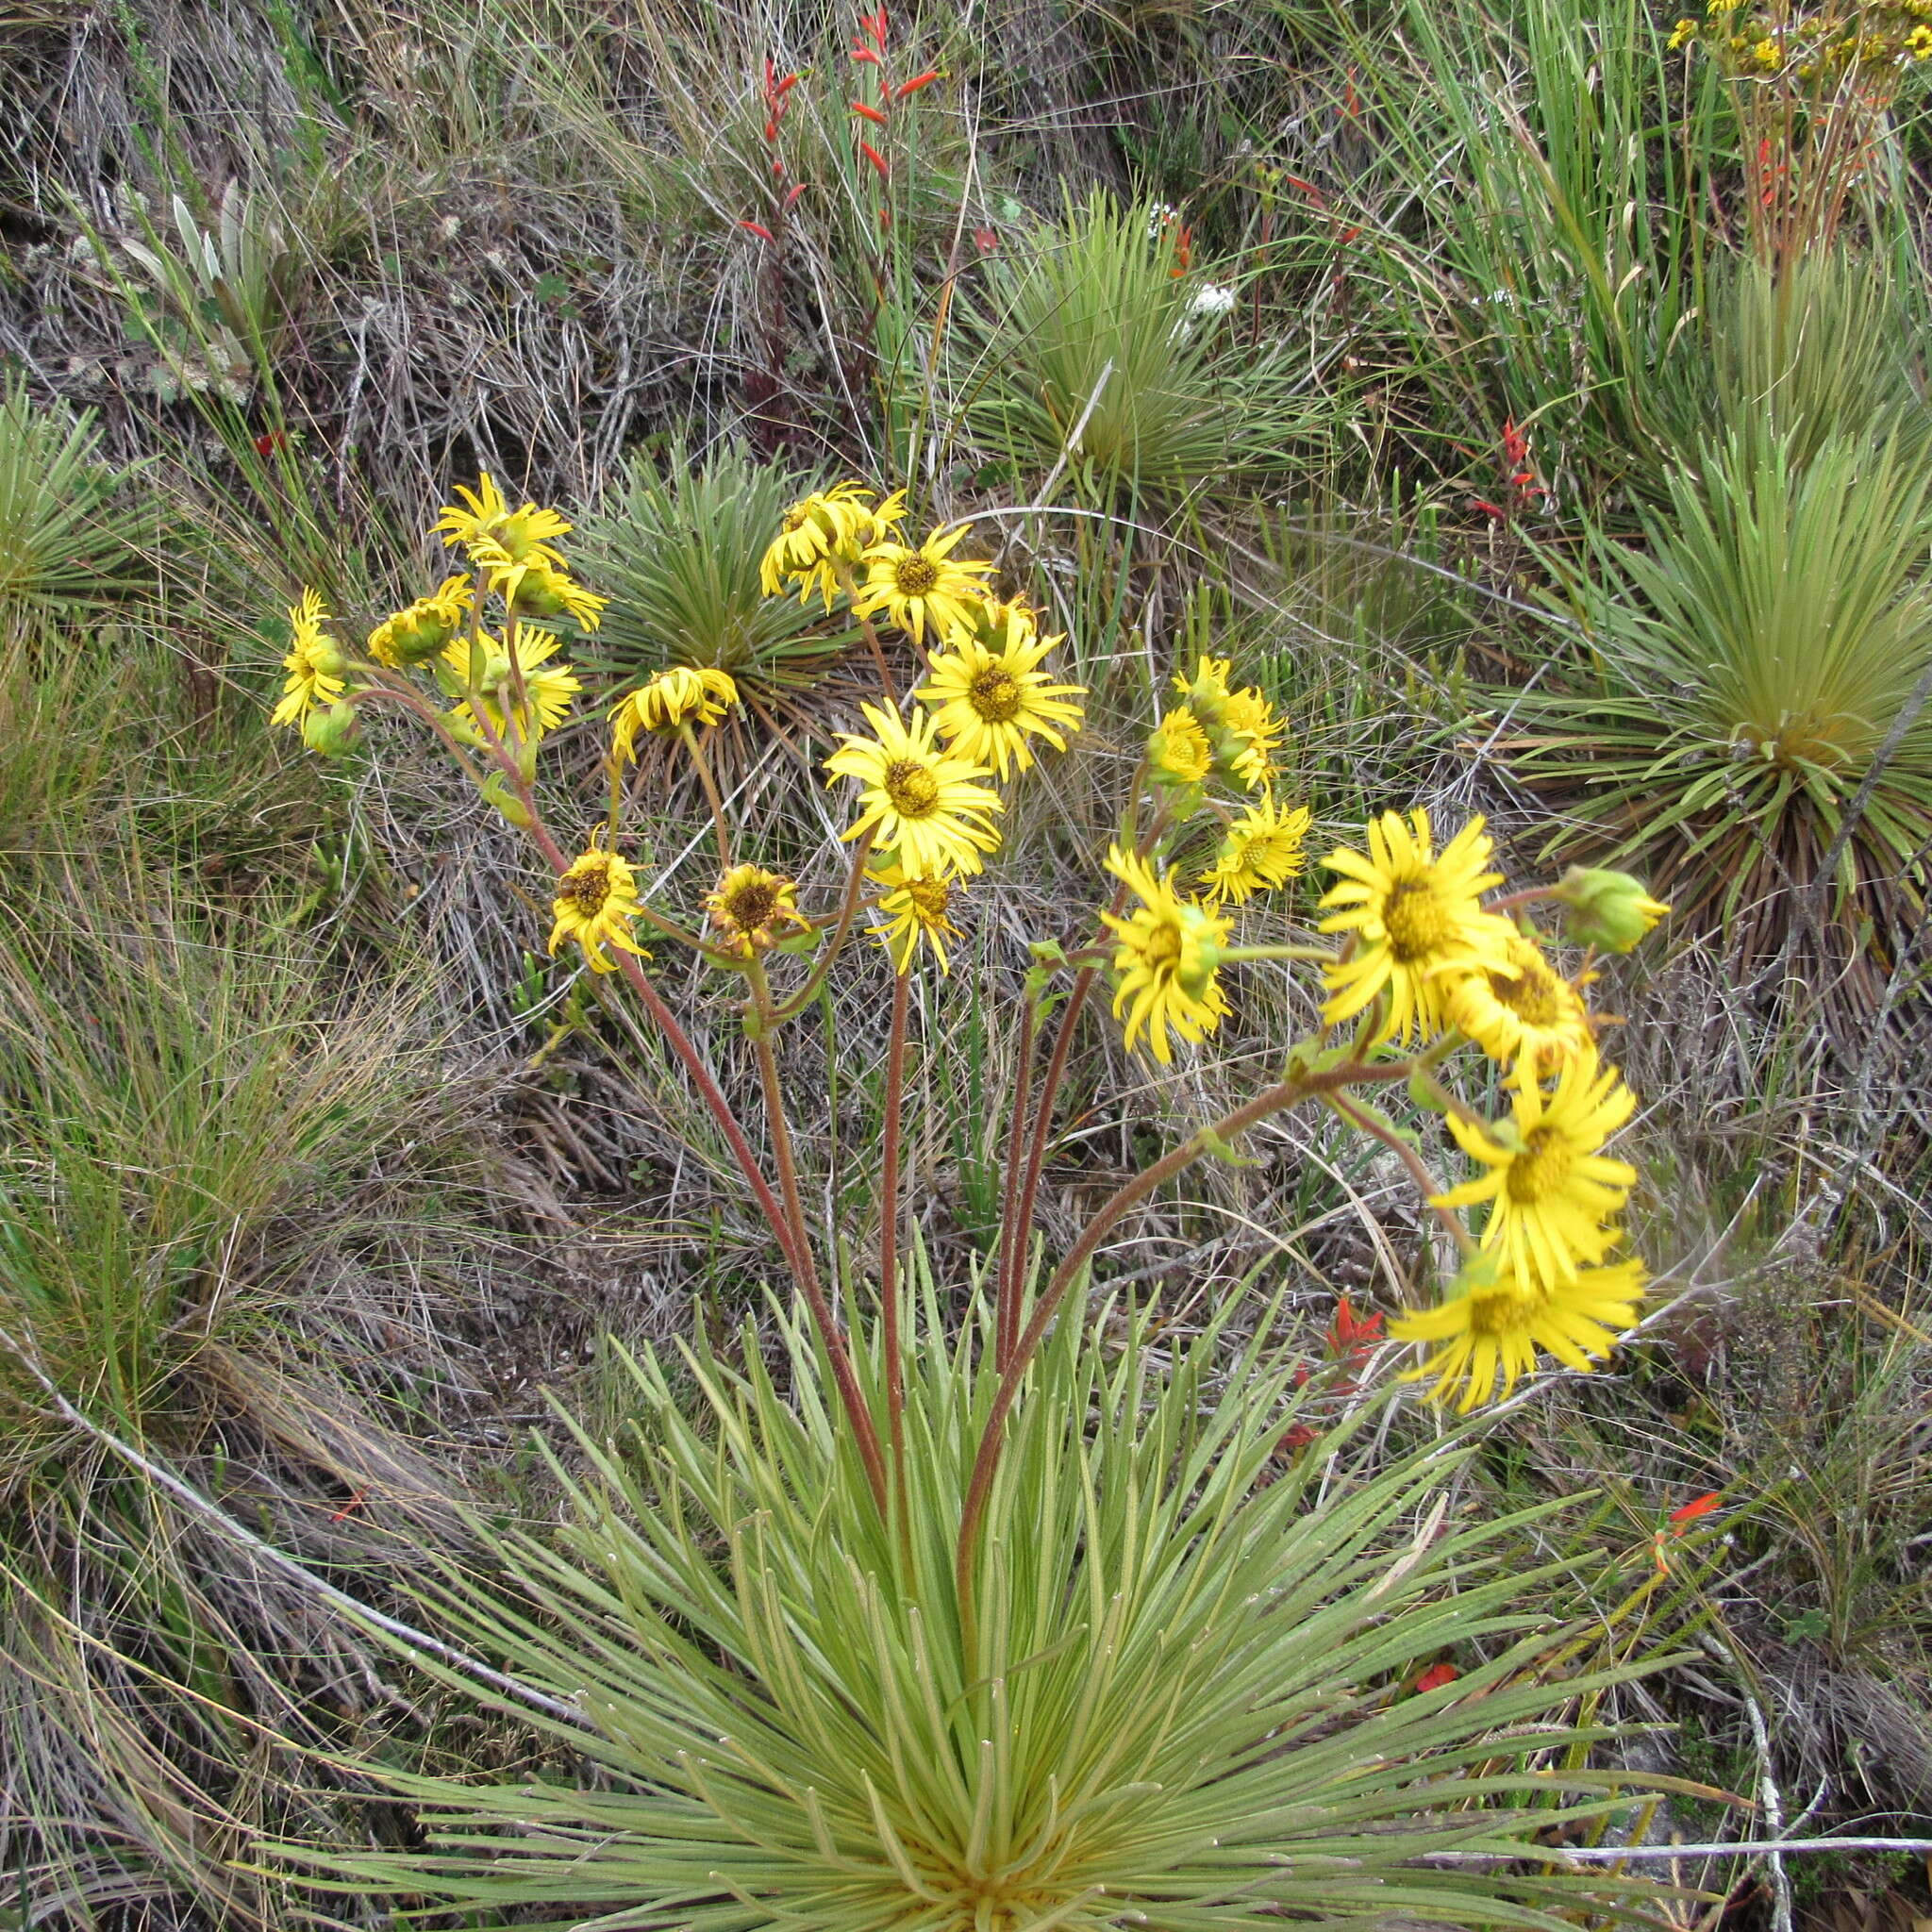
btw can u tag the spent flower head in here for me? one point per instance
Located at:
(752, 910)
(665, 704)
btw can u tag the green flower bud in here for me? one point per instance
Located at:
(330, 730)
(1609, 911)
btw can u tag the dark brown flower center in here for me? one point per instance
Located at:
(1418, 923)
(1541, 1169)
(752, 903)
(933, 897)
(586, 887)
(915, 575)
(912, 788)
(995, 694)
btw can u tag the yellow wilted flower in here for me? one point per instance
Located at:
(548, 688)
(1550, 1192)
(534, 591)
(752, 909)
(929, 805)
(826, 534)
(1413, 914)
(315, 663)
(1489, 1327)
(596, 900)
(920, 906)
(1168, 963)
(682, 694)
(492, 533)
(418, 633)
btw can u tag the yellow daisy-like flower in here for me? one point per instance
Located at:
(596, 900)
(1489, 1332)
(680, 695)
(421, 631)
(920, 906)
(1524, 1011)
(989, 695)
(824, 538)
(1177, 749)
(928, 804)
(1550, 1191)
(537, 591)
(1168, 963)
(1262, 850)
(1248, 735)
(925, 587)
(315, 663)
(492, 533)
(1412, 913)
(548, 688)
(752, 909)
(1207, 691)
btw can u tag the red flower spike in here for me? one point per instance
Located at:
(1435, 1676)
(918, 81)
(1691, 1511)
(785, 84)
(758, 228)
(870, 113)
(877, 160)
(770, 130)
(267, 445)
(985, 241)
(859, 52)
(1308, 189)
(792, 195)
(1295, 1438)
(1502, 516)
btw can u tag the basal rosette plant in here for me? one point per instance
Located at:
(994, 1629)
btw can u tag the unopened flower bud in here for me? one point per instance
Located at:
(325, 657)
(330, 730)
(1609, 911)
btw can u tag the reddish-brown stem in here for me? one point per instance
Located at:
(822, 965)
(889, 1216)
(1287, 1093)
(850, 1393)
(1019, 1234)
(1006, 1297)
(1420, 1175)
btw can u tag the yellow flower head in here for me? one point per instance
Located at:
(548, 688)
(596, 900)
(1523, 1010)
(929, 805)
(1207, 691)
(1550, 1192)
(1412, 913)
(920, 906)
(1488, 1329)
(492, 533)
(414, 635)
(1262, 850)
(1167, 965)
(1246, 738)
(315, 663)
(1767, 53)
(923, 586)
(1684, 32)
(678, 695)
(752, 909)
(1179, 753)
(535, 592)
(989, 695)
(824, 536)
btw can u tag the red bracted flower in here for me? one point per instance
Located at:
(877, 160)
(1677, 1521)
(918, 81)
(1351, 1338)
(758, 229)
(1435, 1676)
(870, 113)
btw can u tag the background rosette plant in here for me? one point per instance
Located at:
(1180, 1692)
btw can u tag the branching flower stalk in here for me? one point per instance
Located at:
(1418, 963)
